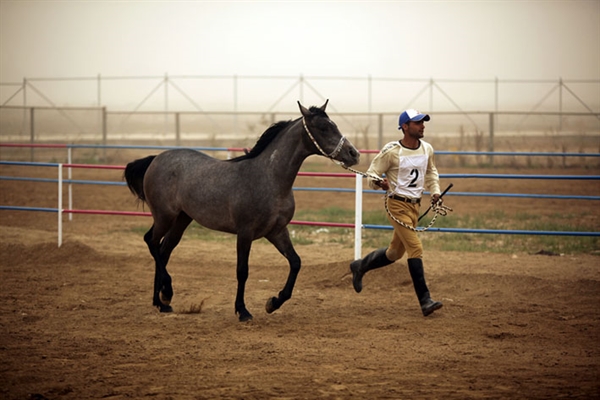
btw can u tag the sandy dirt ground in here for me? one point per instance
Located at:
(76, 322)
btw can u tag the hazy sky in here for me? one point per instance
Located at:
(401, 39)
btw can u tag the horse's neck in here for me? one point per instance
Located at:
(284, 157)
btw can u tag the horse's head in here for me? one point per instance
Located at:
(326, 136)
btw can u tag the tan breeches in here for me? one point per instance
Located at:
(404, 240)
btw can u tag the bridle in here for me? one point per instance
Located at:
(335, 151)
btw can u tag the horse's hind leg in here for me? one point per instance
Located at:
(168, 244)
(283, 243)
(154, 247)
(161, 245)
(244, 244)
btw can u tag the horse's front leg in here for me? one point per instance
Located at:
(283, 243)
(243, 254)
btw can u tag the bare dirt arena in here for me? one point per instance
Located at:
(76, 322)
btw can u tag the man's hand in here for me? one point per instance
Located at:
(384, 184)
(435, 198)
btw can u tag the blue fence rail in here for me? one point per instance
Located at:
(365, 226)
(366, 191)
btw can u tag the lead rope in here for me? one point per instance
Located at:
(438, 208)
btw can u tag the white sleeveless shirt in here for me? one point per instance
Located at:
(411, 174)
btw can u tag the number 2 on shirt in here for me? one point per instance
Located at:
(414, 172)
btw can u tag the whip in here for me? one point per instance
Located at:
(441, 195)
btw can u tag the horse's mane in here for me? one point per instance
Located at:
(264, 140)
(270, 134)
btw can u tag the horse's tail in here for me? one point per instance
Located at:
(134, 175)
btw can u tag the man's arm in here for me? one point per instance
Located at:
(432, 178)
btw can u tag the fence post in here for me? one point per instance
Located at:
(166, 84)
(70, 176)
(358, 218)
(177, 132)
(104, 132)
(491, 143)
(60, 179)
(31, 132)
(560, 104)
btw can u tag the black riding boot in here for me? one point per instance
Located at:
(373, 260)
(415, 266)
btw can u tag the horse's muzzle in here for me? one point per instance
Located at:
(349, 155)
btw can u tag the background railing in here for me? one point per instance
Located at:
(241, 93)
(465, 131)
(184, 109)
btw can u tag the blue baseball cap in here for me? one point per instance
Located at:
(411, 115)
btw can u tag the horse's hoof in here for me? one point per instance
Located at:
(165, 308)
(164, 299)
(271, 306)
(245, 317)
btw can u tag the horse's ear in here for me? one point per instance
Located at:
(324, 106)
(304, 110)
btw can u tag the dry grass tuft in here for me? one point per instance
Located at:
(194, 308)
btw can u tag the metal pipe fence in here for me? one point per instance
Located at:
(479, 131)
(237, 93)
(188, 109)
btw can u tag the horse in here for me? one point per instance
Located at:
(249, 196)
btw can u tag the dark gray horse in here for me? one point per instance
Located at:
(250, 196)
